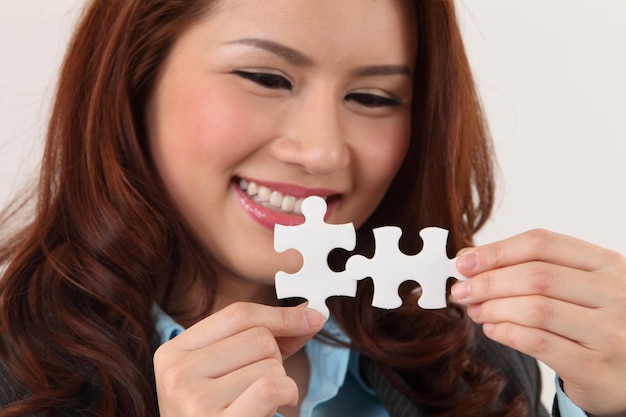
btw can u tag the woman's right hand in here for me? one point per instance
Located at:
(231, 363)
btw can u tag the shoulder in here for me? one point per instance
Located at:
(12, 390)
(9, 386)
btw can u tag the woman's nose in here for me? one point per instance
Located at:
(314, 137)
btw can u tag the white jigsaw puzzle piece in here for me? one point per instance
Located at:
(315, 239)
(389, 268)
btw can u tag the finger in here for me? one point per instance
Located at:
(570, 321)
(290, 345)
(264, 397)
(535, 278)
(536, 245)
(281, 321)
(233, 385)
(216, 360)
(559, 353)
(205, 396)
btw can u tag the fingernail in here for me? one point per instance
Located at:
(460, 291)
(467, 262)
(314, 319)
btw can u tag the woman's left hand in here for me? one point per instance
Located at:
(559, 299)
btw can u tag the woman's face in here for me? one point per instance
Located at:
(267, 102)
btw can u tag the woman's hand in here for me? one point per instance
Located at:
(231, 363)
(559, 299)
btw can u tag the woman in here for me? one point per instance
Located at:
(167, 112)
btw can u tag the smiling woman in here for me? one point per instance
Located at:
(300, 119)
(182, 132)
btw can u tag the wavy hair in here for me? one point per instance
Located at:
(80, 277)
(446, 180)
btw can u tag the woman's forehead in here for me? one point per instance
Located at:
(378, 28)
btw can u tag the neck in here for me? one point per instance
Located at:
(190, 304)
(235, 290)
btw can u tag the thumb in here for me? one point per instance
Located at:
(289, 345)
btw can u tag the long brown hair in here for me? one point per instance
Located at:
(81, 277)
(446, 180)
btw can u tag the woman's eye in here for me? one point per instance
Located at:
(372, 100)
(265, 79)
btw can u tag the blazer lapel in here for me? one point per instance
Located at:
(396, 404)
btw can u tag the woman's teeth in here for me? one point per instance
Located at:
(271, 198)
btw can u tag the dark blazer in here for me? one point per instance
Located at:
(520, 370)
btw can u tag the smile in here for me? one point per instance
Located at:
(272, 199)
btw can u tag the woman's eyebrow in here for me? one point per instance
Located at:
(297, 58)
(289, 54)
(376, 70)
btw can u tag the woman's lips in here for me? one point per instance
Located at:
(273, 203)
(271, 198)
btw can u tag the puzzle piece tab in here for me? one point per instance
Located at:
(314, 239)
(389, 268)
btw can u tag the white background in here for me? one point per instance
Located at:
(552, 74)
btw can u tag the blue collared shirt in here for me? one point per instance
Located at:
(566, 406)
(335, 380)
